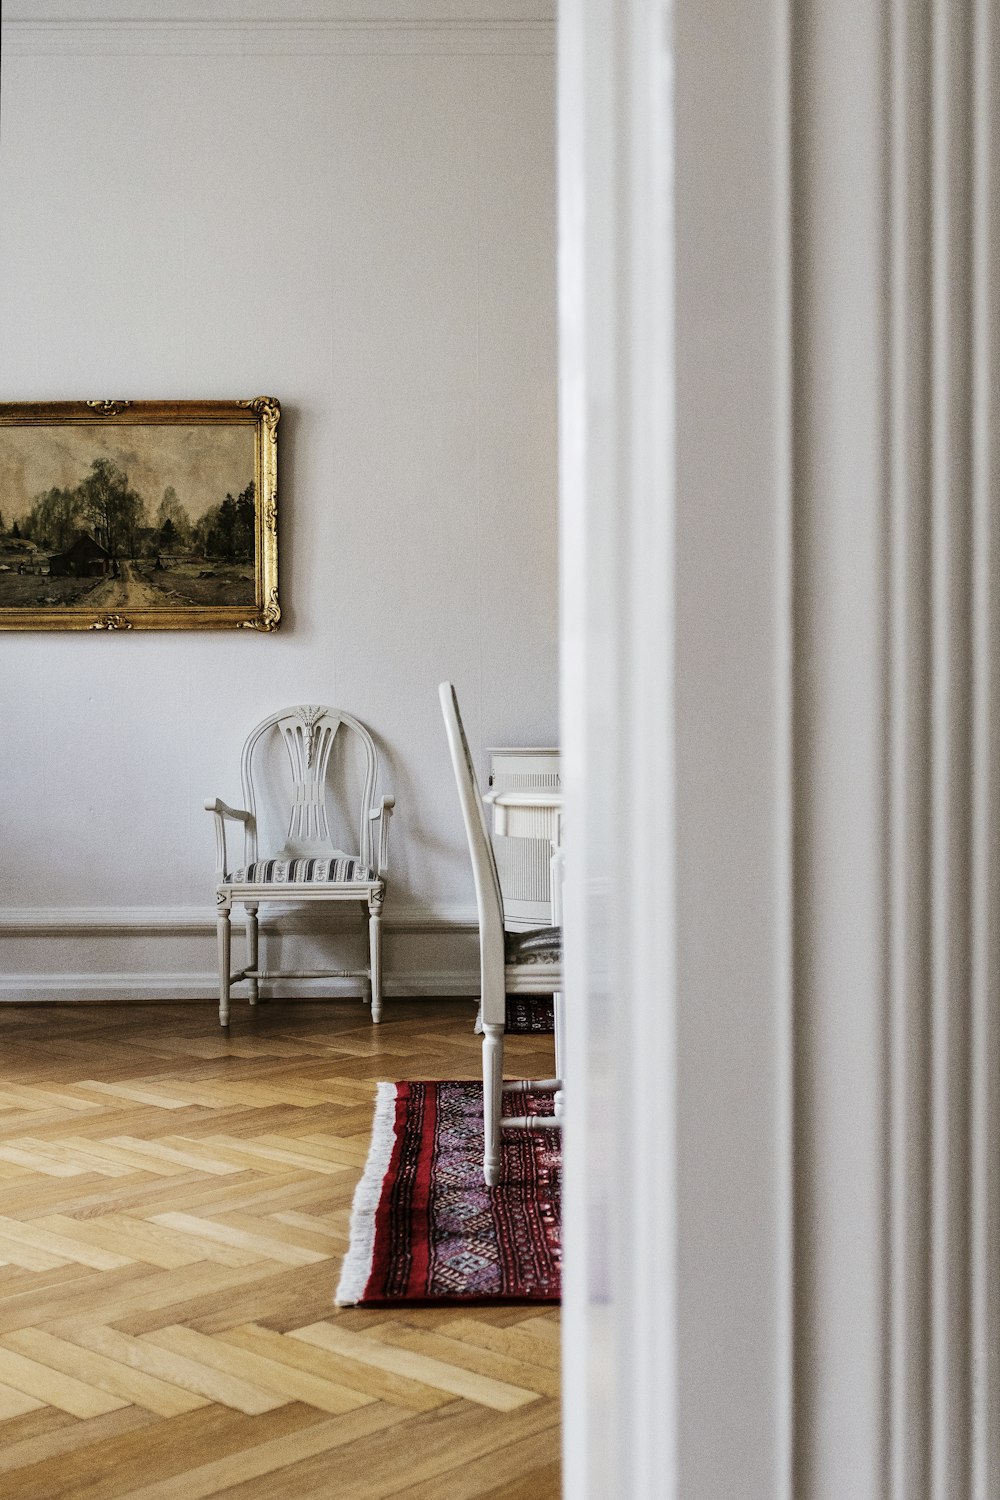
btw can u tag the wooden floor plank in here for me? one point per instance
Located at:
(342, 1150)
(438, 1443)
(189, 1160)
(376, 1383)
(257, 1149)
(60, 1446)
(269, 1458)
(472, 1357)
(509, 1341)
(41, 1142)
(61, 1245)
(11, 1152)
(109, 1463)
(29, 1257)
(420, 1367)
(132, 1161)
(34, 1424)
(53, 1387)
(262, 1371)
(264, 1246)
(177, 1369)
(492, 1474)
(136, 1095)
(543, 1326)
(274, 1229)
(152, 1292)
(279, 1295)
(136, 1238)
(131, 1385)
(528, 1485)
(77, 1149)
(18, 1095)
(15, 1403)
(312, 1223)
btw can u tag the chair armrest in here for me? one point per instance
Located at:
(221, 811)
(382, 812)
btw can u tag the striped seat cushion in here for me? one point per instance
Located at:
(540, 945)
(338, 869)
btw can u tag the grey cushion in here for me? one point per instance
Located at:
(540, 945)
(340, 869)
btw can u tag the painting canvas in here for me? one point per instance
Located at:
(120, 515)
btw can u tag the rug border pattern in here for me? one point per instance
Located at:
(357, 1268)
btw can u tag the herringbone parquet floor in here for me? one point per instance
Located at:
(173, 1209)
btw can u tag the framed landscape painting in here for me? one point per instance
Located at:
(139, 515)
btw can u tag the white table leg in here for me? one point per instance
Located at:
(556, 877)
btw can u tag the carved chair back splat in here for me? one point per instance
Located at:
(308, 734)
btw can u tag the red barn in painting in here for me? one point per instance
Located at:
(84, 558)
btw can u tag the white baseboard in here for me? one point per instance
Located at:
(163, 953)
(131, 921)
(90, 989)
(249, 37)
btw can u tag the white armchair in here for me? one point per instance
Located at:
(308, 867)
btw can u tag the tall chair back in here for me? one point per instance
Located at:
(489, 901)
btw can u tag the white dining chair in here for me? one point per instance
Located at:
(308, 867)
(510, 963)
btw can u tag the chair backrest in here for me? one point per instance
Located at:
(308, 732)
(489, 900)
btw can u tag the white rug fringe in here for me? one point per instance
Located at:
(357, 1267)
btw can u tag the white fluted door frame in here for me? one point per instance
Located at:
(674, 738)
(866, 248)
(897, 750)
(617, 568)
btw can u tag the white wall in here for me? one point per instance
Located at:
(360, 221)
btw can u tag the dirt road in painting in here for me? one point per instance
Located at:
(126, 592)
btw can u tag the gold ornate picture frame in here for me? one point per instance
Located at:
(139, 515)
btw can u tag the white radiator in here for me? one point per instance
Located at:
(523, 864)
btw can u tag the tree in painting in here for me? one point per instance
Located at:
(55, 518)
(227, 532)
(172, 521)
(115, 511)
(103, 504)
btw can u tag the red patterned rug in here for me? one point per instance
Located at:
(426, 1228)
(530, 1015)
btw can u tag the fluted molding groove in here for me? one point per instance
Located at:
(908, 602)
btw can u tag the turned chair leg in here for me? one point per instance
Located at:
(492, 1094)
(224, 933)
(252, 951)
(559, 1021)
(375, 954)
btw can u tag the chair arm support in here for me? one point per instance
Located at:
(382, 812)
(221, 811)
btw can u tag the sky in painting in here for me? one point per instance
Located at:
(203, 464)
